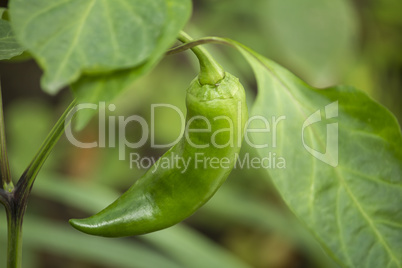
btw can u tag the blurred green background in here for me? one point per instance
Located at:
(246, 224)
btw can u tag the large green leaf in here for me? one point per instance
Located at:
(9, 47)
(92, 89)
(70, 37)
(350, 194)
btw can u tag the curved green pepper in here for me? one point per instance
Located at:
(165, 196)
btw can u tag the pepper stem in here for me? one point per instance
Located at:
(210, 71)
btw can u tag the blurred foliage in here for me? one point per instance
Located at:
(246, 224)
(356, 42)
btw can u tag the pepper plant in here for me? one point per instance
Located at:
(343, 182)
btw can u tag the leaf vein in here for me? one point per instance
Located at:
(367, 219)
(371, 178)
(75, 40)
(43, 11)
(339, 224)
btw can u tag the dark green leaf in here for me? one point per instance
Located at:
(71, 37)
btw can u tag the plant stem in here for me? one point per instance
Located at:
(27, 179)
(210, 71)
(16, 201)
(14, 247)
(201, 41)
(3, 197)
(4, 165)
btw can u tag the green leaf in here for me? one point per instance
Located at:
(9, 47)
(71, 37)
(93, 89)
(351, 203)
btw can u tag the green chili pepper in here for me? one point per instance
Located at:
(171, 191)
